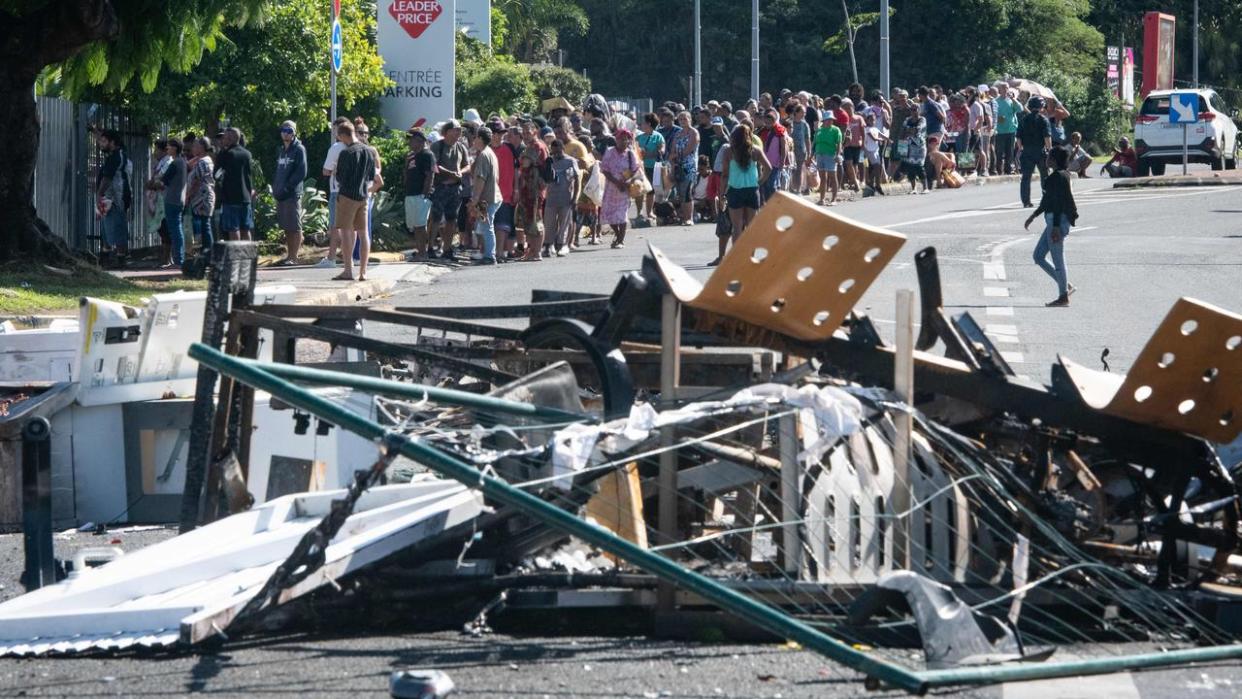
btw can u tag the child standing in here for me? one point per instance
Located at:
(827, 150)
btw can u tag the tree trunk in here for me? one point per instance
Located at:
(19, 236)
(849, 39)
(28, 43)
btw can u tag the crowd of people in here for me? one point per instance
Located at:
(531, 187)
(565, 178)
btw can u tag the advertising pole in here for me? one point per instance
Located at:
(885, 81)
(697, 90)
(754, 49)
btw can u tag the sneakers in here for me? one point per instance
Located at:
(325, 263)
(1071, 291)
(1058, 302)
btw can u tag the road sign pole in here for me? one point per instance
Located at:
(332, 97)
(1185, 148)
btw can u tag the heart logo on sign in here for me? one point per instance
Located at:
(415, 16)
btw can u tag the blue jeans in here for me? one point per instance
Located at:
(485, 228)
(115, 228)
(1028, 161)
(1056, 270)
(202, 231)
(172, 219)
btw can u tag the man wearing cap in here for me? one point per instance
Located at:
(420, 170)
(452, 158)
(1034, 142)
(287, 186)
(725, 111)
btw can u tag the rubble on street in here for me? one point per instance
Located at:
(747, 448)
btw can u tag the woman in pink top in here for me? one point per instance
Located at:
(855, 129)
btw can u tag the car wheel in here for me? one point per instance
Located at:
(1144, 169)
(1232, 163)
(1218, 163)
(1157, 169)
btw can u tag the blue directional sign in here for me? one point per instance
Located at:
(338, 46)
(1184, 108)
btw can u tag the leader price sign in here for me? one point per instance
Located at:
(416, 43)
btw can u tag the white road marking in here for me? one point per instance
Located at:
(1084, 228)
(1013, 357)
(995, 291)
(996, 329)
(1119, 686)
(1000, 310)
(1004, 339)
(993, 272)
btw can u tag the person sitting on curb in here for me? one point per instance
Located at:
(1124, 162)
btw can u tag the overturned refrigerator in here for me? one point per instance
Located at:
(746, 447)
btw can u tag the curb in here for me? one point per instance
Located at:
(903, 187)
(358, 291)
(1214, 180)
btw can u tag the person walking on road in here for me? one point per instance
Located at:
(1060, 214)
(620, 169)
(1035, 140)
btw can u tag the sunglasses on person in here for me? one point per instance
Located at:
(364, 133)
(286, 129)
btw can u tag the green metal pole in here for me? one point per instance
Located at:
(1096, 666)
(757, 613)
(447, 396)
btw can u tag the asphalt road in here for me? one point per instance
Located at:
(1133, 255)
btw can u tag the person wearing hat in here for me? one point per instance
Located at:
(287, 189)
(1034, 143)
(420, 170)
(828, 146)
(452, 159)
(1008, 112)
(471, 116)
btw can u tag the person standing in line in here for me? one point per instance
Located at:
(355, 170)
(1060, 214)
(236, 187)
(746, 168)
(452, 159)
(114, 195)
(913, 162)
(651, 143)
(362, 133)
(854, 131)
(1007, 114)
(828, 140)
(620, 169)
(329, 171)
(287, 190)
(800, 132)
(173, 184)
(485, 189)
(563, 190)
(1035, 141)
(507, 153)
(683, 150)
(201, 194)
(873, 146)
(153, 201)
(420, 170)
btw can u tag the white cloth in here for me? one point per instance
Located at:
(329, 163)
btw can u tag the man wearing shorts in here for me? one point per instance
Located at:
(287, 190)
(356, 175)
(827, 147)
(236, 187)
(420, 169)
(329, 171)
(451, 158)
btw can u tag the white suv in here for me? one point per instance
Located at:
(1213, 140)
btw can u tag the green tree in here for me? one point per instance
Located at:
(491, 82)
(554, 81)
(96, 42)
(533, 26)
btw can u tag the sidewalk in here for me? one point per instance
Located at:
(316, 286)
(1217, 178)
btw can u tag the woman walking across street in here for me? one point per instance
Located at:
(745, 167)
(1060, 213)
(620, 169)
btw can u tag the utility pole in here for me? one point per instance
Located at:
(1196, 46)
(754, 49)
(885, 83)
(697, 89)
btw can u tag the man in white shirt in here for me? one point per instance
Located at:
(329, 171)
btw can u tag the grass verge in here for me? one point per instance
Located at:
(31, 288)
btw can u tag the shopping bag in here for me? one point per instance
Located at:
(594, 188)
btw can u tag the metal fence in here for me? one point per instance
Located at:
(68, 163)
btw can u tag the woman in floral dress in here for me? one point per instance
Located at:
(620, 167)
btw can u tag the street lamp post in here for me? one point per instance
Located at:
(885, 84)
(754, 49)
(697, 90)
(1196, 46)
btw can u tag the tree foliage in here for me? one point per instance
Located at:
(555, 81)
(533, 26)
(491, 82)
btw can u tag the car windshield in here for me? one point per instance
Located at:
(1155, 106)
